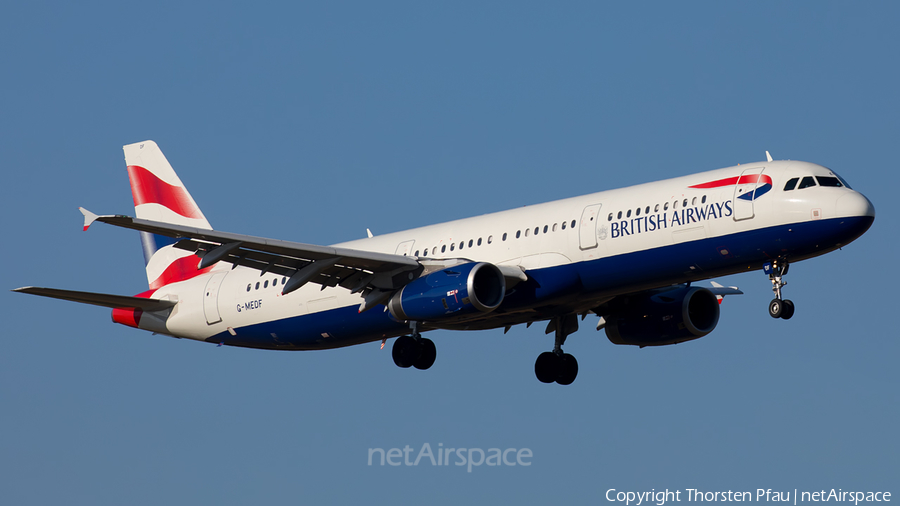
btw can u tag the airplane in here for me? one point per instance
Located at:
(629, 256)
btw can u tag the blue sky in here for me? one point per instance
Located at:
(313, 122)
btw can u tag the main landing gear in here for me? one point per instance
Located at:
(778, 308)
(414, 350)
(555, 365)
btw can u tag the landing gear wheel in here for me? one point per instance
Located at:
(787, 309)
(776, 308)
(568, 370)
(427, 354)
(406, 351)
(546, 367)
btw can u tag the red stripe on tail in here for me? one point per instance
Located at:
(146, 188)
(179, 270)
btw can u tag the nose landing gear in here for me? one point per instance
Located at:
(778, 308)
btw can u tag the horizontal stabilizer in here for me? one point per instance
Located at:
(99, 299)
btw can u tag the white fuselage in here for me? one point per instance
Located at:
(582, 251)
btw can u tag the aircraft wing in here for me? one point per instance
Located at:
(99, 299)
(353, 269)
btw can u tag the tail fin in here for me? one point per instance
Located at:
(159, 195)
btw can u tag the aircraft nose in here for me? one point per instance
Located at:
(855, 204)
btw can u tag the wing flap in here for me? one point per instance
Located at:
(284, 258)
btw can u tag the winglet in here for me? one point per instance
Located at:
(89, 217)
(721, 291)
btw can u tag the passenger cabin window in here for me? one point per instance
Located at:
(684, 204)
(610, 217)
(504, 236)
(620, 215)
(628, 214)
(491, 238)
(573, 223)
(791, 184)
(647, 210)
(554, 225)
(470, 242)
(703, 200)
(443, 248)
(637, 212)
(518, 233)
(806, 182)
(545, 228)
(832, 182)
(694, 201)
(666, 206)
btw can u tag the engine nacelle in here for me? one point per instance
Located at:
(449, 293)
(660, 317)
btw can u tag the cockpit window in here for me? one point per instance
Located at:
(791, 184)
(843, 181)
(829, 181)
(806, 182)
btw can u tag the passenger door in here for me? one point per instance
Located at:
(405, 248)
(211, 297)
(745, 193)
(587, 229)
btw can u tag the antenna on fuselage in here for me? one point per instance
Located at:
(768, 156)
(369, 232)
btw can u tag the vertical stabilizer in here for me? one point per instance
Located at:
(159, 195)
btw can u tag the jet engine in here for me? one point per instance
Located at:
(475, 287)
(660, 317)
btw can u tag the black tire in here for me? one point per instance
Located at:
(427, 355)
(568, 370)
(787, 309)
(405, 351)
(776, 308)
(546, 367)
